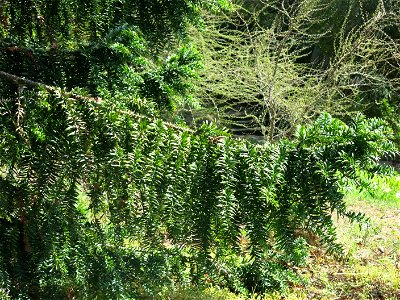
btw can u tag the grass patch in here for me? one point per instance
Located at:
(371, 265)
(213, 293)
(384, 191)
(371, 269)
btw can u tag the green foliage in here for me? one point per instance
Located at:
(59, 22)
(161, 206)
(389, 112)
(119, 66)
(109, 48)
(101, 199)
(321, 162)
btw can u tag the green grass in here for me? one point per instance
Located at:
(384, 191)
(213, 293)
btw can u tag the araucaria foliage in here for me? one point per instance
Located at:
(91, 195)
(102, 199)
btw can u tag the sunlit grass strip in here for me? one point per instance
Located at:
(383, 191)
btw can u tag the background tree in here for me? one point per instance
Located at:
(277, 75)
(263, 88)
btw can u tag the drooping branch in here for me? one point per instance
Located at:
(23, 81)
(20, 81)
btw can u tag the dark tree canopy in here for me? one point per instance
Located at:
(55, 22)
(106, 47)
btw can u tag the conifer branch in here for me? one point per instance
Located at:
(20, 81)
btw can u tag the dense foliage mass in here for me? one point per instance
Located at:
(102, 199)
(95, 199)
(107, 48)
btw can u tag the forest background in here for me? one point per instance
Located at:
(152, 145)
